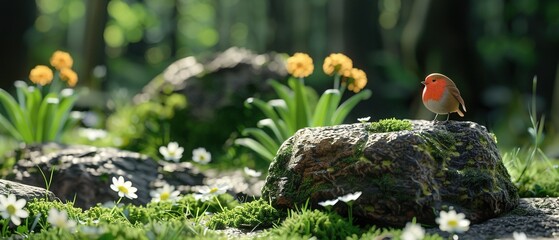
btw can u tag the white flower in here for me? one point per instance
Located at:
(350, 197)
(166, 193)
(519, 236)
(12, 208)
(413, 231)
(60, 219)
(252, 173)
(172, 152)
(364, 119)
(124, 189)
(200, 155)
(92, 134)
(453, 222)
(206, 193)
(329, 202)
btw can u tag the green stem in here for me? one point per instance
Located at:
(219, 203)
(337, 81)
(116, 205)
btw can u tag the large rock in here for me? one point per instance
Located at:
(24, 191)
(85, 172)
(403, 174)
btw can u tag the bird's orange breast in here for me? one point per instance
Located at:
(434, 91)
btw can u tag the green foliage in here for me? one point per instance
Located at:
(36, 116)
(39, 208)
(389, 125)
(315, 223)
(531, 170)
(255, 214)
(146, 126)
(297, 108)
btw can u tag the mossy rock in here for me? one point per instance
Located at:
(402, 174)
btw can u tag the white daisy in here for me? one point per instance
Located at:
(60, 219)
(413, 231)
(206, 193)
(364, 119)
(165, 193)
(124, 189)
(200, 155)
(350, 197)
(172, 152)
(519, 236)
(453, 222)
(252, 173)
(328, 202)
(12, 208)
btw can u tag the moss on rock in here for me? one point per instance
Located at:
(390, 125)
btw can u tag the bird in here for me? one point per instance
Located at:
(441, 96)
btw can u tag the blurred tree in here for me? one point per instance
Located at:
(16, 17)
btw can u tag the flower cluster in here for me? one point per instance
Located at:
(61, 61)
(337, 63)
(173, 152)
(300, 65)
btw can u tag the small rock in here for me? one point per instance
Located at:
(402, 175)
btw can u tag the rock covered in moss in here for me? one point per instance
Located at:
(402, 174)
(84, 173)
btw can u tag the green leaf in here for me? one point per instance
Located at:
(302, 114)
(280, 130)
(274, 127)
(325, 108)
(44, 119)
(288, 96)
(256, 147)
(281, 108)
(16, 115)
(5, 123)
(33, 99)
(262, 137)
(346, 107)
(61, 116)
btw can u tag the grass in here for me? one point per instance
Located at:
(166, 220)
(531, 170)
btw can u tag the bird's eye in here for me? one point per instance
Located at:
(434, 80)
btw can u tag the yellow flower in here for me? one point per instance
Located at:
(41, 75)
(68, 75)
(357, 79)
(337, 63)
(61, 60)
(300, 65)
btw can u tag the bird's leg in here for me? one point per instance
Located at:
(447, 117)
(436, 115)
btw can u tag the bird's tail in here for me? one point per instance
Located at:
(460, 112)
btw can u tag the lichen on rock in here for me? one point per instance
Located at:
(402, 174)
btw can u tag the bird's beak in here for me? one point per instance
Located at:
(423, 82)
